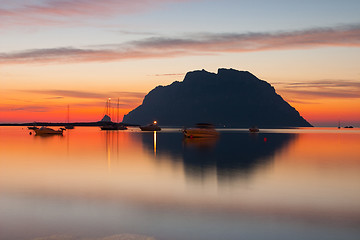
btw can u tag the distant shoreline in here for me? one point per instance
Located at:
(76, 124)
(98, 124)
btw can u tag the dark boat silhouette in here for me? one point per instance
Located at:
(151, 127)
(254, 129)
(201, 130)
(48, 131)
(113, 126)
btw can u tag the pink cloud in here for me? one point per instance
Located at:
(65, 11)
(201, 44)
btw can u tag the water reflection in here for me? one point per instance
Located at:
(201, 143)
(154, 141)
(161, 185)
(108, 152)
(232, 154)
(48, 136)
(112, 148)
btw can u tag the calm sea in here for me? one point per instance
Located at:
(91, 184)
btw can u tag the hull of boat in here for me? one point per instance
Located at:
(200, 133)
(254, 130)
(150, 128)
(48, 132)
(113, 127)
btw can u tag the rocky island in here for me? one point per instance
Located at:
(230, 98)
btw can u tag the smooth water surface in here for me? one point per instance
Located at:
(92, 184)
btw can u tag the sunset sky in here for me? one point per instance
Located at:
(55, 53)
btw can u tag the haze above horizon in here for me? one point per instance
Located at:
(55, 53)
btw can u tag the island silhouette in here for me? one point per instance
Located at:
(230, 98)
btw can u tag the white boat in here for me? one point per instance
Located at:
(48, 131)
(151, 127)
(201, 130)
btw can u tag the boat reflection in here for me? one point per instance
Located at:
(48, 135)
(154, 143)
(108, 151)
(201, 143)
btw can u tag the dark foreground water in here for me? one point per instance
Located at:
(91, 184)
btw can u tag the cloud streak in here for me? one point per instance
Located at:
(55, 94)
(13, 108)
(198, 44)
(50, 12)
(112, 237)
(127, 100)
(322, 89)
(169, 74)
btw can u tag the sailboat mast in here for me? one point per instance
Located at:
(118, 105)
(109, 108)
(68, 114)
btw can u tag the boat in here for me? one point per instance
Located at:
(151, 127)
(69, 126)
(48, 131)
(33, 127)
(254, 129)
(113, 126)
(201, 130)
(108, 124)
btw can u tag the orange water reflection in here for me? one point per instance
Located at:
(299, 175)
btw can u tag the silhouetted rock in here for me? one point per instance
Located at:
(106, 118)
(229, 98)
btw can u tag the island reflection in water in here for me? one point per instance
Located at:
(233, 154)
(89, 184)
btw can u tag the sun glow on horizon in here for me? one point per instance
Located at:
(89, 106)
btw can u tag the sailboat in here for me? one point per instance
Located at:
(112, 125)
(68, 125)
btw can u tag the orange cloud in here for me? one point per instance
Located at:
(321, 89)
(51, 105)
(325, 102)
(201, 44)
(57, 93)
